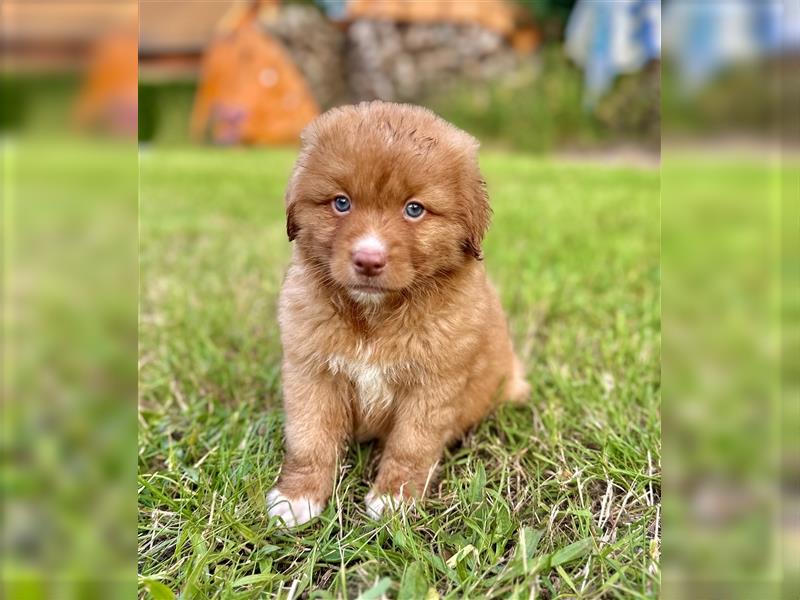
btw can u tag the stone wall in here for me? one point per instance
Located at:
(405, 61)
(381, 59)
(317, 47)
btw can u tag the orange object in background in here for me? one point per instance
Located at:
(526, 39)
(108, 101)
(250, 91)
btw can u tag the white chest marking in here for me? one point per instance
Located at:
(370, 381)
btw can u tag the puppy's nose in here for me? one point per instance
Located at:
(369, 261)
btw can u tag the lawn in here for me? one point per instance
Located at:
(559, 498)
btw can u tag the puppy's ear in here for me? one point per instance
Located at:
(473, 250)
(292, 228)
(478, 215)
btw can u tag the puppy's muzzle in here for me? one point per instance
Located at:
(368, 263)
(369, 257)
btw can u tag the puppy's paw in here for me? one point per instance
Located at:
(378, 503)
(293, 511)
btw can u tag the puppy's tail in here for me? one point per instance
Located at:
(518, 390)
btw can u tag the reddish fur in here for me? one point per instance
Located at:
(439, 333)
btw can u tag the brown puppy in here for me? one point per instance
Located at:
(390, 327)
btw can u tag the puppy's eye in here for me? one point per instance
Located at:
(414, 210)
(341, 204)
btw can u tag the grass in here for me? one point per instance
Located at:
(548, 95)
(546, 92)
(556, 499)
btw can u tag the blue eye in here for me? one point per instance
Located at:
(341, 204)
(414, 210)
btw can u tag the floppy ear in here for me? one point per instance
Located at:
(292, 228)
(291, 224)
(478, 215)
(307, 137)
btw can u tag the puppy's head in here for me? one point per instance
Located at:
(385, 198)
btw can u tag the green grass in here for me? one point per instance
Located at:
(555, 499)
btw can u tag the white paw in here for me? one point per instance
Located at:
(293, 511)
(376, 504)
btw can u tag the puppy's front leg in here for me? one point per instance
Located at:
(424, 424)
(317, 428)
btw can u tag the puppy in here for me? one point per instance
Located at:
(390, 327)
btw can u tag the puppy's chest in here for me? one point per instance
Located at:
(375, 380)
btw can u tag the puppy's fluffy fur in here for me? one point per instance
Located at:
(412, 356)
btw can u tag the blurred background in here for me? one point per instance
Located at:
(85, 85)
(577, 74)
(69, 233)
(532, 76)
